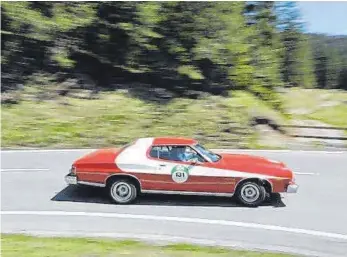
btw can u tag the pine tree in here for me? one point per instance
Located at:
(266, 44)
(330, 60)
(334, 65)
(320, 56)
(297, 64)
(304, 64)
(224, 40)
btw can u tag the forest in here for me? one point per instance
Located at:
(180, 46)
(80, 74)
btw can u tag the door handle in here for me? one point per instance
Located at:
(162, 165)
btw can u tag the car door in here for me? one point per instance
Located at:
(175, 174)
(169, 172)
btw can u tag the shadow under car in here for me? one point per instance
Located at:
(88, 194)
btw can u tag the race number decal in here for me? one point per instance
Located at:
(180, 174)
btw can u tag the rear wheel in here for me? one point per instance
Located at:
(251, 194)
(122, 191)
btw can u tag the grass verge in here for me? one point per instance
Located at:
(328, 106)
(30, 246)
(116, 119)
(336, 115)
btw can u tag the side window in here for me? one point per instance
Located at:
(184, 154)
(175, 153)
(160, 152)
(154, 153)
(164, 153)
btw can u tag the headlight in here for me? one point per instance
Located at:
(73, 169)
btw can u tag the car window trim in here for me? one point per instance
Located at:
(168, 145)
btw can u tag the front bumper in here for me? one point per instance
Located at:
(71, 179)
(292, 188)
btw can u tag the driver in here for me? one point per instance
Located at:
(183, 153)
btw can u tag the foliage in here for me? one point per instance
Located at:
(117, 118)
(30, 246)
(180, 47)
(326, 105)
(330, 56)
(297, 60)
(208, 46)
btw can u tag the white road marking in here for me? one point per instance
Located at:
(23, 169)
(306, 173)
(182, 219)
(158, 239)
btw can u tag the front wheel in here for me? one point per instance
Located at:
(251, 194)
(122, 191)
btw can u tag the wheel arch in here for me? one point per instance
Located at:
(264, 182)
(132, 178)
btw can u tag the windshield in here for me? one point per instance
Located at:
(214, 157)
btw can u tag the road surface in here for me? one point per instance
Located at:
(35, 199)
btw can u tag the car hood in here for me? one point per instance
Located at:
(254, 164)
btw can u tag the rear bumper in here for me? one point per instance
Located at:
(71, 179)
(292, 188)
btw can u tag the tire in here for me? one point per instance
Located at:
(256, 194)
(122, 191)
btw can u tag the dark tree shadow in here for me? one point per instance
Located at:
(86, 194)
(160, 86)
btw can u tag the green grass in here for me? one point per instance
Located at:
(256, 107)
(311, 98)
(29, 246)
(336, 115)
(313, 102)
(116, 119)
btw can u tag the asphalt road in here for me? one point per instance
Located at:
(35, 199)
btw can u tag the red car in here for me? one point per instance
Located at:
(180, 166)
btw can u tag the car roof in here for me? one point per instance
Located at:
(173, 141)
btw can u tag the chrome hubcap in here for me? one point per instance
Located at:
(250, 193)
(121, 192)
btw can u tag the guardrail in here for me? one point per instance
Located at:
(320, 137)
(312, 127)
(286, 130)
(315, 136)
